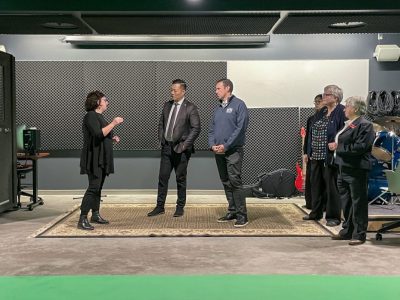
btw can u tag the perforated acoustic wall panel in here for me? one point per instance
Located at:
(201, 78)
(305, 112)
(51, 95)
(273, 141)
(130, 88)
(2, 100)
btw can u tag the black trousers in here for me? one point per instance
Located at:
(353, 189)
(91, 199)
(324, 191)
(170, 160)
(230, 172)
(307, 190)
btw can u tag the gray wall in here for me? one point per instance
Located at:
(142, 172)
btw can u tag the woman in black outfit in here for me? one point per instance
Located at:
(353, 147)
(318, 104)
(97, 156)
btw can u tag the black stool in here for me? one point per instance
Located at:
(22, 170)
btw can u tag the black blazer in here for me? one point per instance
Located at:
(307, 138)
(187, 126)
(355, 145)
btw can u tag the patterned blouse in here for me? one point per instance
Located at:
(319, 139)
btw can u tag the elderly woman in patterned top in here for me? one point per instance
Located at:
(328, 123)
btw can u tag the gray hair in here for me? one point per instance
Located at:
(336, 91)
(358, 103)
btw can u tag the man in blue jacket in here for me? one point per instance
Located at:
(226, 139)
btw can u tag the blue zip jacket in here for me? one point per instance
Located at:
(229, 124)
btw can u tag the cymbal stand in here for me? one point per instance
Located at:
(392, 134)
(394, 199)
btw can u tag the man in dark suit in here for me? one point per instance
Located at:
(178, 128)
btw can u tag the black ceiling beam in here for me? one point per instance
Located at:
(195, 5)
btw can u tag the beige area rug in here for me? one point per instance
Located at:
(130, 220)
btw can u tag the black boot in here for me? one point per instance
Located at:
(97, 218)
(84, 224)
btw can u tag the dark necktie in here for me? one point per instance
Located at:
(170, 128)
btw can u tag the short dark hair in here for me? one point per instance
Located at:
(319, 97)
(181, 82)
(226, 82)
(92, 100)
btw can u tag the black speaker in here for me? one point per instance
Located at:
(31, 140)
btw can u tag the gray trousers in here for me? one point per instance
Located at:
(229, 167)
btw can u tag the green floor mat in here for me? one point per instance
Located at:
(218, 287)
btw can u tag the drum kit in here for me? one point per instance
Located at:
(386, 156)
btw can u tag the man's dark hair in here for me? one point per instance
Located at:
(226, 82)
(92, 100)
(181, 82)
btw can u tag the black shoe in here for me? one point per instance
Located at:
(156, 211)
(356, 242)
(178, 212)
(228, 217)
(332, 223)
(97, 218)
(241, 222)
(84, 224)
(339, 237)
(310, 218)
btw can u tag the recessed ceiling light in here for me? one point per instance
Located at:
(347, 25)
(56, 25)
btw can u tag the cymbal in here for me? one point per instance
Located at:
(378, 127)
(381, 154)
(388, 121)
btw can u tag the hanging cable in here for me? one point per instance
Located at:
(396, 103)
(372, 103)
(385, 103)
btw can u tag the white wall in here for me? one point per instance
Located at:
(294, 83)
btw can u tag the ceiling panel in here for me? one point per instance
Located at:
(314, 23)
(255, 23)
(42, 24)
